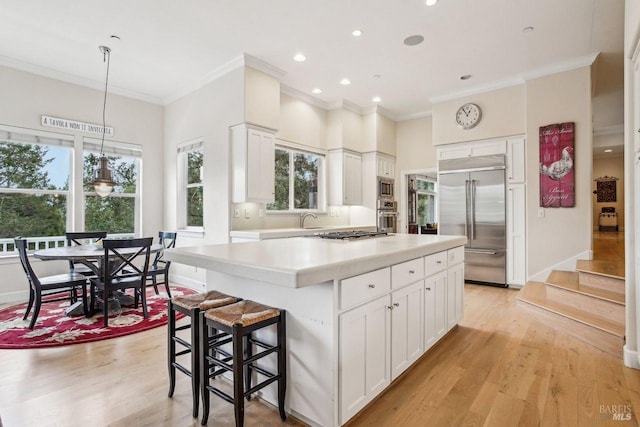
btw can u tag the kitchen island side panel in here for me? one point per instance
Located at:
(310, 342)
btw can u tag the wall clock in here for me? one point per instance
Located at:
(468, 116)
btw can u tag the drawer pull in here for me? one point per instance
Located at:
(411, 271)
(428, 289)
(438, 262)
(395, 304)
(390, 307)
(371, 285)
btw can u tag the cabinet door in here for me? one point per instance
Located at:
(516, 160)
(406, 327)
(434, 308)
(364, 368)
(385, 167)
(516, 245)
(455, 297)
(260, 167)
(352, 174)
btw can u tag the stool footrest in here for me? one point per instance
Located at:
(220, 393)
(261, 385)
(260, 355)
(181, 368)
(183, 327)
(259, 370)
(183, 352)
(217, 343)
(182, 342)
(260, 343)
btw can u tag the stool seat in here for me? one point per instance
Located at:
(204, 301)
(245, 313)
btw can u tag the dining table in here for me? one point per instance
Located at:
(93, 256)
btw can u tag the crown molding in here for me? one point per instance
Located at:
(265, 67)
(501, 84)
(295, 93)
(609, 130)
(76, 80)
(412, 116)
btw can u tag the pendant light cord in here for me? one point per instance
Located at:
(106, 57)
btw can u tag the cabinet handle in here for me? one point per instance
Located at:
(395, 304)
(390, 307)
(438, 262)
(371, 285)
(411, 271)
(428, 289)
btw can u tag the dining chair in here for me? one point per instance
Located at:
(121, 271)
(81, 238)
(160, 266)
(40, 287)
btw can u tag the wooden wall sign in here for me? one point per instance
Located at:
(557, 178)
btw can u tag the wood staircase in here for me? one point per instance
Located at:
(588, 303)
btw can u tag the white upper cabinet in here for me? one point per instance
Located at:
(516, 160)
(253, 164)
(345, 178)
(472, 149)
(385, 166)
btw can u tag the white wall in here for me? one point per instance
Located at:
(385, 135)
(261, 99)
(302, 123)
(27, 96)
(415, 148)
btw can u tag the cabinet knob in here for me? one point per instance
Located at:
(412, 272)
(371, 285)
(395, 304)
(428, 289)
(390, 307)
(438, 262)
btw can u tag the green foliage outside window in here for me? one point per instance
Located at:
(304, 168)
(194, 189)
(22, 167)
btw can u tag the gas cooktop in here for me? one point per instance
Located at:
(349, 235)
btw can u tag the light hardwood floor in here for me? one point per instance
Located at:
(500, 367)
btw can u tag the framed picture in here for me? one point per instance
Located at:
(557, 172)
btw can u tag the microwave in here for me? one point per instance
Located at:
(385, 188)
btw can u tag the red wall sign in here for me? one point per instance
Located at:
(557, 178)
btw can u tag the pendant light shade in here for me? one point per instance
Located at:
(103, 180)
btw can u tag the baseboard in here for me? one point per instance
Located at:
(13, 297)
(631, 358)
(566, 265)
(187, 282)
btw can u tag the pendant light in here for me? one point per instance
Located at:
(103, 181)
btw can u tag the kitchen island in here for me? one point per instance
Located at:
(359, 312)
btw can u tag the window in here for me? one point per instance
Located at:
(426, 198)
(34, 183)
(191, 157)
(118, 213)
(298, 180)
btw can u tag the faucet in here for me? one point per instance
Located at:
(304, 216)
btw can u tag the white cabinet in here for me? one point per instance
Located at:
(435, 321)
(472, 149)
(516, 243)
(253, 164)
(406, 327)
(345, 178)
(364, 355)
(516, 160)
(385, 166)
(455, 294)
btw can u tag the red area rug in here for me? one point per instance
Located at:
(54, 328)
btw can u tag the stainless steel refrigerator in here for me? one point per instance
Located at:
(471, 194)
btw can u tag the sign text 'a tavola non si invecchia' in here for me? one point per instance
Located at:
(76, 126)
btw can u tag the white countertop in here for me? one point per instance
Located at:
(279, 233)
(303, 261)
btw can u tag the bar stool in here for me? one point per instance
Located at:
(192, 306)
(241, 320)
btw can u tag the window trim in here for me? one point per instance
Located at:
(293, 147)
(183, 149)
(433, 193)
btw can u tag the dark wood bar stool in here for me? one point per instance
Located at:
(241, 320)
(192, 306)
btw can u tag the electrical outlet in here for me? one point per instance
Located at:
(261, 213)
(541, 213)
(247, 213)
(236, 213)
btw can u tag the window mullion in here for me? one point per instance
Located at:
(291, 182)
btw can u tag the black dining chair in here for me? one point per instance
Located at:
(50, 287)
(81, 238)
(160, 266)
(122, 271)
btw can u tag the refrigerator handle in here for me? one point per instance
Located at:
(473, 210)
(466, 208)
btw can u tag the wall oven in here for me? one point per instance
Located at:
(387, 216)
(385, 188)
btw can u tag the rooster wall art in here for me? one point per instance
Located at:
(557, 183)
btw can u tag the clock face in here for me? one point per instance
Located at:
(468, 116)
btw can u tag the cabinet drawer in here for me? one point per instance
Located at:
(455, 255)
(435, 263)
(406, 273)
(358, 289)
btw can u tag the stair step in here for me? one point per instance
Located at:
(570, 280)
(601, 274)
(611, 269)
(598, 338)
(535, 293)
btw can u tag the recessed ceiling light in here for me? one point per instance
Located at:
(356, 32)
(527, 29)
(299, 57)
(317, 91)
(345, 82)
(376, 99)
(608, 151)
(431, 2)
(413, 40)
(465, 77)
